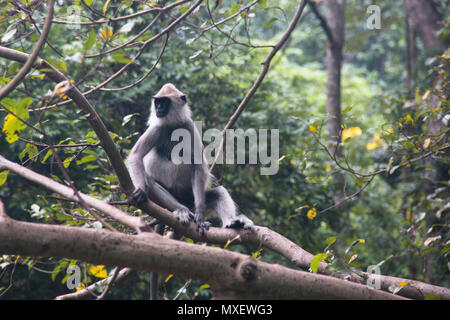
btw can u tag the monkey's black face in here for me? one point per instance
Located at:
(162, 107)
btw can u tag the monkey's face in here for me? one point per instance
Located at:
(162, 106)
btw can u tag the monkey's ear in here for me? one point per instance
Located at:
(183, 98)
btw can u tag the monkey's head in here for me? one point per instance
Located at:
(170, 104)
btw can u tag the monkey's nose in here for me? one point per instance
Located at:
(161, 111)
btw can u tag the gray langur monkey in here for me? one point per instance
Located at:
(177, 187)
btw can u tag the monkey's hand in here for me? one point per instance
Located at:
(183, 215)
(202, 224)
(138, 197)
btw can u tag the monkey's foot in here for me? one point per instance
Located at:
(138, 197)
(241, 222)
(183, 215)
(203, 226)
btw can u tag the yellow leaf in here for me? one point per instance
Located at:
(168, 278)
(81, 286)
(409, 119)
(351, 133)
(230, 241)
(400, 286)
(353, 257)
(11, 127)
(426, 143)
(375, 143)
(61, 88)
(107, 33)
(327, 166)
(408, 214)
(105, 7)
(67, 161)
(313, 129)
(372, 145)
(430, 240)
(99, 271)
(426, 94)
(257, 254)
(311, 214)
(3, 177)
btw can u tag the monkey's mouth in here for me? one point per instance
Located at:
(161, 112)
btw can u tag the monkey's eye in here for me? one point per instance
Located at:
(183, 98)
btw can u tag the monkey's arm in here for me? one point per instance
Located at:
(200, 178)
(199, 182)
(135, 163)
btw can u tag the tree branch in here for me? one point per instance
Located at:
(135, 223)
(230, 274)
(322, 20)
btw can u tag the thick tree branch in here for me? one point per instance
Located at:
(31, 59)
(135, 223)
(230, 274)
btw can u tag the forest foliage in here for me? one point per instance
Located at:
(395, 163)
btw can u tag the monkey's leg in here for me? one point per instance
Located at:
(220, 201)
(163, 197)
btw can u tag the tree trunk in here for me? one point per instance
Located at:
(427, 22)
(336, 22)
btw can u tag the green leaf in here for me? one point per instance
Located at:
(330, 241)
(30, 150)
(86, 159)
(234, 8)
(3, 176)
(120, 58)
(269, 23)
(203, 287)
(67, 162)
(48, 154)
(346, 110)
(318, 258)
(90, 40)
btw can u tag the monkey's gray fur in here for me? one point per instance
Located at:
(177, 187)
